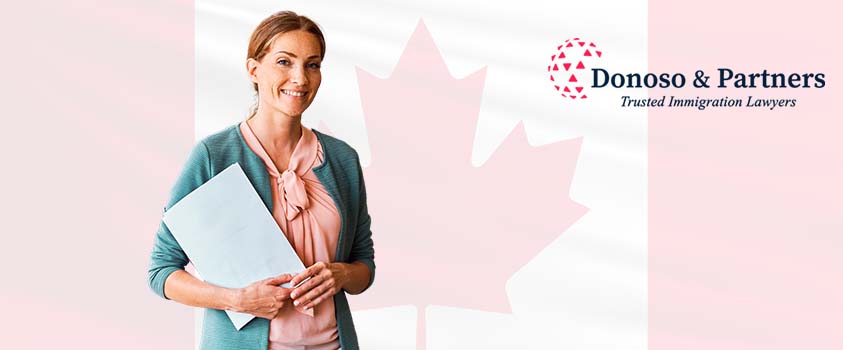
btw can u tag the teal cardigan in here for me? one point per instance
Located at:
(341, 175)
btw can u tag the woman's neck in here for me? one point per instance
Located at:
(277, 132)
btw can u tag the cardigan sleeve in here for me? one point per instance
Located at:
(363, 249)
(167, 255)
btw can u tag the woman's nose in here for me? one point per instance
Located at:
(299, 76)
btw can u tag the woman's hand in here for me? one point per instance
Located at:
(264, 298)
(326, 279)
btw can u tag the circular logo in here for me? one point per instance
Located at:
(568, 67)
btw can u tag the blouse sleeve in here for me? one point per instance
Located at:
(167, 255)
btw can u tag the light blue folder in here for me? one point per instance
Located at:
(230, 236)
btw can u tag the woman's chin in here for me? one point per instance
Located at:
(294, 112)
(291, 110)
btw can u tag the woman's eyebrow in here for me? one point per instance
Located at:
(294, 55)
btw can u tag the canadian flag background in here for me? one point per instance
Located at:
(423, 94)
(605, 227)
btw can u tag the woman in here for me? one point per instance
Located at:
(318, 200)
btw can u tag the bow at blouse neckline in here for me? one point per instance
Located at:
(293, 193)
(291, 188)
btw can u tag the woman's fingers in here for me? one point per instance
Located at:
(272, 307)
(264, 298)
(310, 290)
(313, 272)
(279, 280)
(306, 286)
(310, 271)
(283, 294)
(316, 298)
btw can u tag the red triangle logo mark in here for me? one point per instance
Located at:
(579, 88)
(580, 65)
(551, 78)
(584, 97)
(587, 53)
(573, 79)
(566, 65)
(570, 45)
(557, 87)
(592, 45)
(599, 54)
(555, 67)
(566, 89)
(561, 55)
(582, 44)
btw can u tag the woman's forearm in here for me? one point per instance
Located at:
(184, 288)
(357, 277)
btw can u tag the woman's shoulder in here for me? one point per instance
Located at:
(224, 139)
(336, 149)
(203, 162)
(217, 151)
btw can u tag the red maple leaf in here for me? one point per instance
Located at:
(445, 232)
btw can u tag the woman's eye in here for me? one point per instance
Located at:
(314, 65)
(283, 62)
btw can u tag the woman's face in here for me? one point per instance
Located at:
(289, 74)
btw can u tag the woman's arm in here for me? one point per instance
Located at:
(263, 298)
(358, 277)
(184, 288)
(168, 279)
(327, 279)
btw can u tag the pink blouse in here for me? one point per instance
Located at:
(309, 219)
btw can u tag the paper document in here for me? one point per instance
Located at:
(230, 236)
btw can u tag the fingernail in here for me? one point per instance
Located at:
(293, 295)
(296, 303)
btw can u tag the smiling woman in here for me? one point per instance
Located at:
(310, 182)
(290, 66)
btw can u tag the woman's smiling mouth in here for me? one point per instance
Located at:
(294, 93)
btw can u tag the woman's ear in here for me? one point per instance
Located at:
(251, 69)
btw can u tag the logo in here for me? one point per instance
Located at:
(576, 66)
(570, 65)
